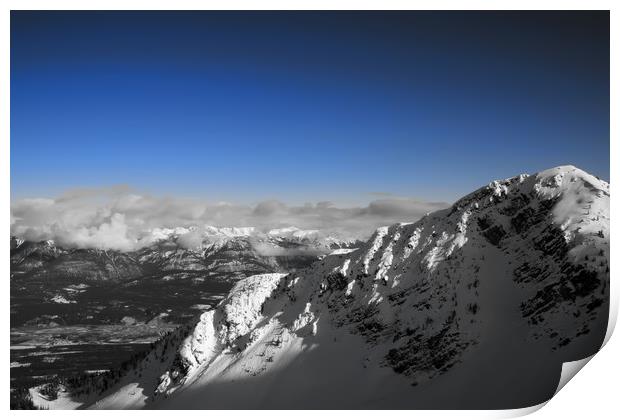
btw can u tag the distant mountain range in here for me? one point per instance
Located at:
(44, 273)
(211, 250)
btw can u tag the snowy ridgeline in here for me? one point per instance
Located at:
(513, 278)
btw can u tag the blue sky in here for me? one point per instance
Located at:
(304, 106)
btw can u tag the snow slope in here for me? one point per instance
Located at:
(475, 306)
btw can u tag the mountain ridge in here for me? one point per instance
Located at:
(512, 277)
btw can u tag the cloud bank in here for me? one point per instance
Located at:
(119, 218)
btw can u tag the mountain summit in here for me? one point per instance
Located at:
(475, 306)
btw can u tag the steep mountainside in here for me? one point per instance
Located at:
(106, 304)
(475, 306)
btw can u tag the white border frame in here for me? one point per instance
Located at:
(593, 394)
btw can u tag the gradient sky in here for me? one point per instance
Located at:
(304, 106)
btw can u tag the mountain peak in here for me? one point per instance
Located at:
(523, 261)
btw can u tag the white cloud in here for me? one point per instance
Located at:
(270, 250)
(119, 218)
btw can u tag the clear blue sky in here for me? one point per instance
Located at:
(304, 106)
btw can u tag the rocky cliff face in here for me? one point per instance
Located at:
(475, 306)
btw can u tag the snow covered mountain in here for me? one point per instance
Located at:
(475, 306)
